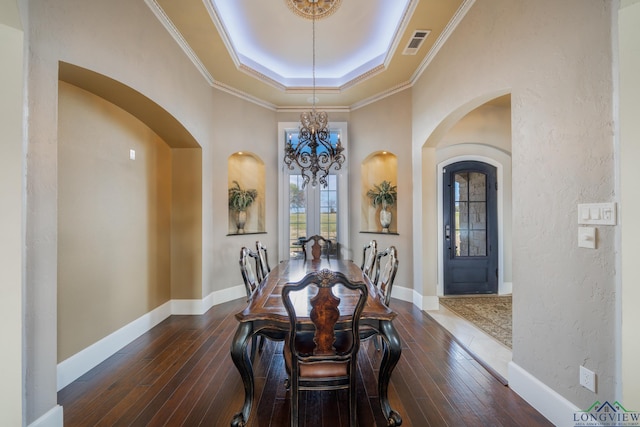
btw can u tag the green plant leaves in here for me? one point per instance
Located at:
(383, 194)
(239, 199)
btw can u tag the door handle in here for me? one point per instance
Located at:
(447, 232)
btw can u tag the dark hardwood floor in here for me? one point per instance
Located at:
(180, 373)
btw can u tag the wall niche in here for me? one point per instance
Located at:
(246, 173)
(378, 167)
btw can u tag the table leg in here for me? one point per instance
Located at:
(243, 363)
(392, 351)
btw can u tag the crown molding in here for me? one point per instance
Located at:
(243, 95)
(177, 36)
(444, 36)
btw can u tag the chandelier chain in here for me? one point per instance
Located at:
(314, 155)
(313, 43)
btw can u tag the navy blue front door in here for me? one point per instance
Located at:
(470, 229)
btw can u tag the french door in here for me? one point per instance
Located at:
(312, 210)
(304, 212)
(470, 228)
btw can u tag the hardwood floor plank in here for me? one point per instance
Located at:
(180, 373)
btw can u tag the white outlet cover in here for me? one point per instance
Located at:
(587, 379)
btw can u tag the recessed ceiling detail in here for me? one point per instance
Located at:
(306, 8)
(261, 50)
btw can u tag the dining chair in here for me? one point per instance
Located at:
(251, 281)
(261, 249)
(322, 355)
(384, 278)
(369, 253)
(319, 244)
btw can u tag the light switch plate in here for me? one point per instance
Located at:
(587, 237)
(597, 213)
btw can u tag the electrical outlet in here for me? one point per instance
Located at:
(587, 379)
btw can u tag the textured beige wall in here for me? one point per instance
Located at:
(383, 126)
(488, 124)
(555, 59)
(11, 220)
(242, 127)
(186, 223)
(114, 219)
(98, 36)
(629, 37)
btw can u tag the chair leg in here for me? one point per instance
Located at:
(293, 393)
(376, 342)
(353, 409)
(254, 345)
(261, 344)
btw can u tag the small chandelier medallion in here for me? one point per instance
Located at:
(307, 8)
(313, 154)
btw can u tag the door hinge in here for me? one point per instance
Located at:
(496, 273)
(496, 185)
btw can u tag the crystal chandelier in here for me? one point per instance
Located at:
(314, 155)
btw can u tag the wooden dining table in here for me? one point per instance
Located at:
(265, 314)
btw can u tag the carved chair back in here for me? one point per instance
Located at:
(386, 275)
(323, 354)
(369, 257)
(264, 259)
(318, 244)
(251, 276)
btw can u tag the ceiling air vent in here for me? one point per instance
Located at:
(415, 42)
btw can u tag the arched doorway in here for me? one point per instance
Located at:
(470, 236)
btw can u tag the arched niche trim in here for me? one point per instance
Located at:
(248, 170)
(147, 111)
(375, 168)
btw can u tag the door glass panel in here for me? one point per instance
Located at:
(470, 194)
(478, 215)
(477, 187)
(462, 215)
(462, 243)
(461, 187)
(297, 215)
(329, 209)
(478, 243)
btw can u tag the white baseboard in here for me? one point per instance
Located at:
(412, 296)
(545, 400)
(505, 288)
(82, 362)
(403, 294)
(198, 307)
(53, 418)
(225, 295)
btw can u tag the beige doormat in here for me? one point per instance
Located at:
(492, 314)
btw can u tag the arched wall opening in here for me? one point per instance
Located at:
(478, 130)
(129, 209)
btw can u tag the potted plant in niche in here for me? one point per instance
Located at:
(239, 201)
(385, 195)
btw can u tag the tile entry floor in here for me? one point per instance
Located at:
(484, 347)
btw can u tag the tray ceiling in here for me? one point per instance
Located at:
(262, 50)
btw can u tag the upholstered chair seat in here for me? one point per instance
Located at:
(306, 345)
